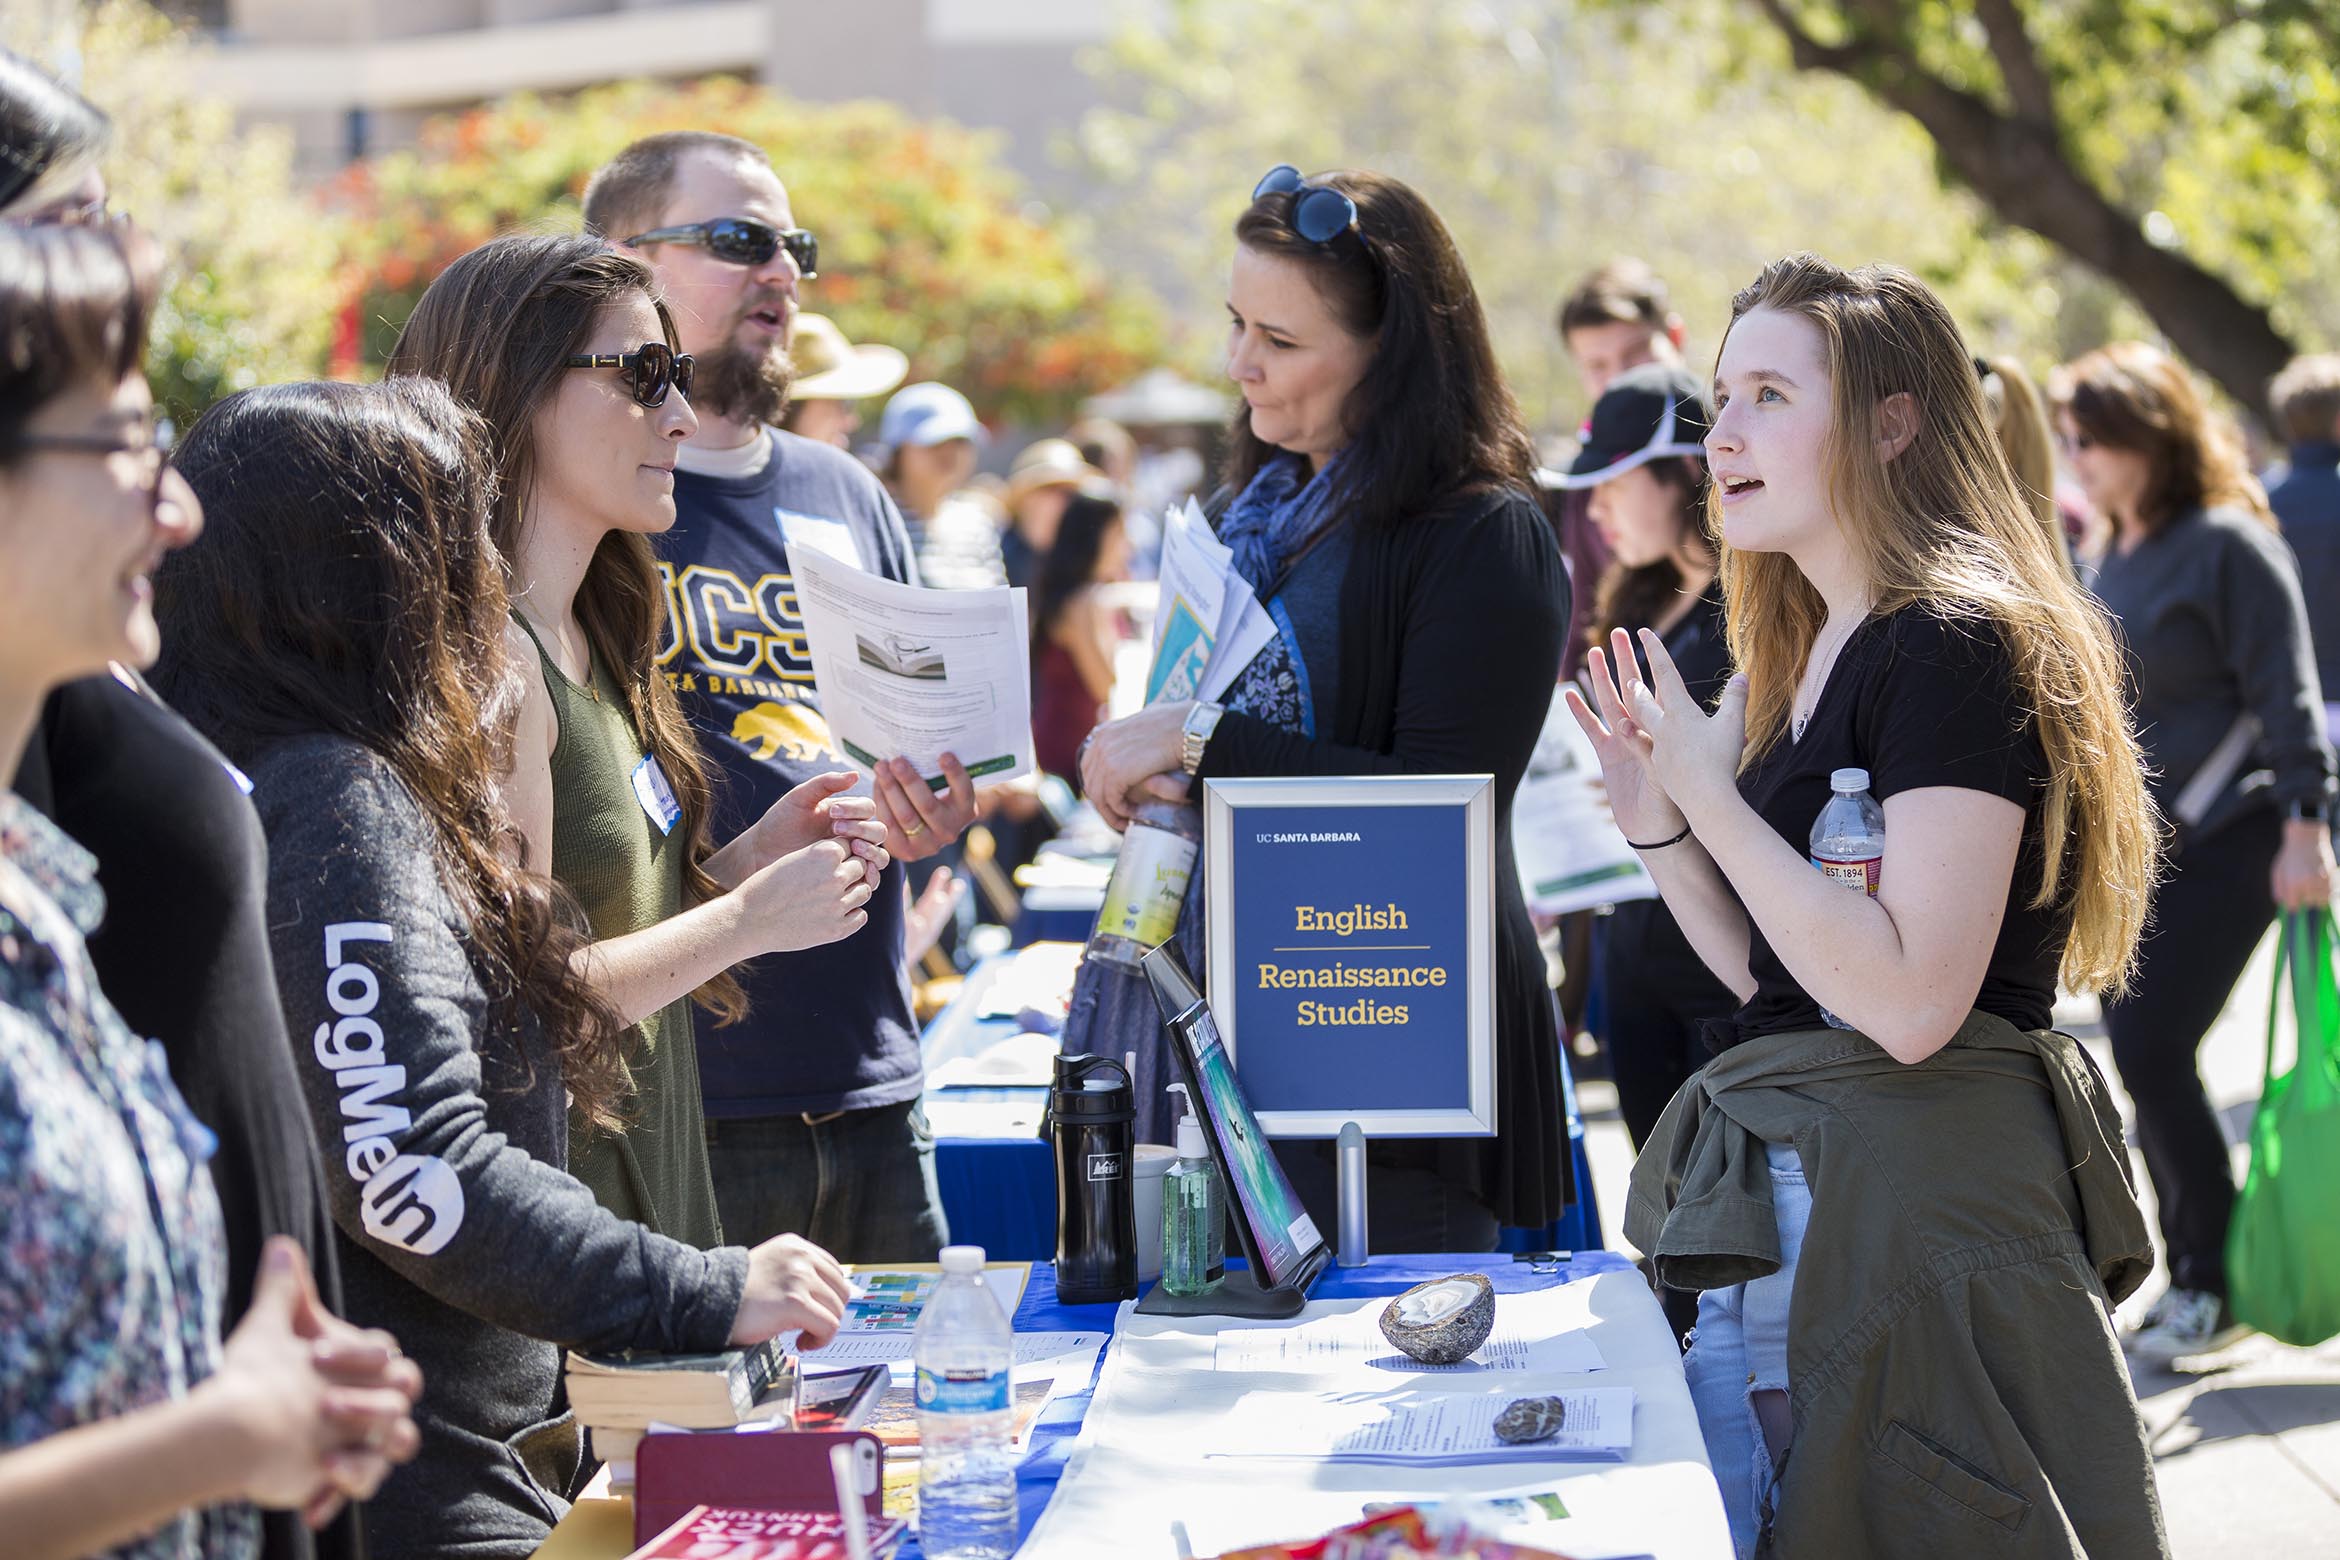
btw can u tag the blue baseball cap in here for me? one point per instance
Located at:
(928, 413)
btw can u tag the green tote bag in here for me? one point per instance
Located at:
(2283, 1251)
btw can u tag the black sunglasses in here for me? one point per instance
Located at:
(741, 241)
(653, 369)
(1320, 214)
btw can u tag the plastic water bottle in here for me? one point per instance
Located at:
(1848, 841)
(965, 1354)
(1148, 885)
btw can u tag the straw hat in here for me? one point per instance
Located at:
(1047, 463)
(830, 368)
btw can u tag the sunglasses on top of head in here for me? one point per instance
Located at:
(1319, 212)
(741, 241)
(653, 369)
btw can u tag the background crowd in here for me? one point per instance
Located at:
(471, 931)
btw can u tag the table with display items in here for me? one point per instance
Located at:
(997, 1176)
(1660, 1501)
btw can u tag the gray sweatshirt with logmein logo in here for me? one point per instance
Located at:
(445, 1137)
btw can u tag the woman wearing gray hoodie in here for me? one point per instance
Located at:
(340, 636)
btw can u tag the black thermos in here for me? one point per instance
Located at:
(1092, 1111)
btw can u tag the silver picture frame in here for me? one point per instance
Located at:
(1224, 804)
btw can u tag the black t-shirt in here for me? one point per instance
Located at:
(1918, 700)
(829, 1028)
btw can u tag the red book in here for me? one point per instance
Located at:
(728, 1533)
(778, 1470)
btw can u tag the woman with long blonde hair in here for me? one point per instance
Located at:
(2224, 675)
(1948, 1204)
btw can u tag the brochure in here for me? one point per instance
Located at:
(918, 673)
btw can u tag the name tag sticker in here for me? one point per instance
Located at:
(819, 533)
(655, 795)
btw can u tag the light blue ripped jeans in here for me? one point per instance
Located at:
(1739, 1349)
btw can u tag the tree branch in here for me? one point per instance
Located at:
(2028, 87)
(1809, 53)
(2021, 169)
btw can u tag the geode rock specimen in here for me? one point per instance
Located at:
(1442, 1321)
(1530, 1419)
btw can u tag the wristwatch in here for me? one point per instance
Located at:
(2309, 811)
(1201, 721)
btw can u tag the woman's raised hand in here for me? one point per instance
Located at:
(1636, 800)
(1657, 748)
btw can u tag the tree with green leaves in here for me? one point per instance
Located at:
(255, 283)
(2185, 149)
(928, 242)
(1551, 135)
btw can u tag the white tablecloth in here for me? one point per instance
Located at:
(1141, 1460)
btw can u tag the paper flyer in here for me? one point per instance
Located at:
(918, 673)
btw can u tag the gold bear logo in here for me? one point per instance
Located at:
(792, 731)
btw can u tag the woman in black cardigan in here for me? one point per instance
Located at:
(1380, 479)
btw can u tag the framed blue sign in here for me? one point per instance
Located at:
(1351, 925)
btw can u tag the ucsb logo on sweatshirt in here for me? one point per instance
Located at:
(738, 644)
(412, 1201)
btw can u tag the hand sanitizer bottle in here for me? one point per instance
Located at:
(1194, 1230)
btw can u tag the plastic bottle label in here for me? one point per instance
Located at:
(962, 1391)
(1853, 874)
(1149, 884)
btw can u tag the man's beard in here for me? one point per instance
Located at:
(743, 384)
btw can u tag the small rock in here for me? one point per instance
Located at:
(1442, 1321)
(1530, 1419)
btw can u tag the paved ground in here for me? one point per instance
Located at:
(2248, 1445)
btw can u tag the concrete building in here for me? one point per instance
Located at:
(350, 77)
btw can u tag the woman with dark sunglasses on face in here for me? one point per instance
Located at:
(1378, 497)
(561, 345)
(344, 635)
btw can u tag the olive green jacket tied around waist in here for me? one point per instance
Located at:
(1956, 1385)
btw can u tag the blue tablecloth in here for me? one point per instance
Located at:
(1000, 1192)
(1053, 1436)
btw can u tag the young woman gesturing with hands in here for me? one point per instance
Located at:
(1934, 1152)
(1902, 966)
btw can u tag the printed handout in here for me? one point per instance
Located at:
(1543, 1330)
(918, 673)
(1344, 1345)
(1209, 625)
(1421, 1426)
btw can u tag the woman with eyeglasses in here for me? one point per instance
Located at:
(561, 345)
(1377, 495)
(344, 635)
(2230, 714)
(127, 1424)
(182, 953)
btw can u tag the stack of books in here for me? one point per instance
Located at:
(619, 1397)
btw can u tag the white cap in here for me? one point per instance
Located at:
(962, 1259)
(1191, 1142)
(1849, 780)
